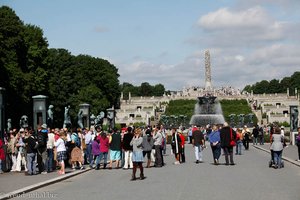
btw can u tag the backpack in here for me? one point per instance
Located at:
(42, 139)
(76, 139)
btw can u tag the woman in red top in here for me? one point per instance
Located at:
(182, 156)
(104, 147)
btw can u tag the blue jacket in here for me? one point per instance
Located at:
(214, 136)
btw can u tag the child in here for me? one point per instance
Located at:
(61, 151)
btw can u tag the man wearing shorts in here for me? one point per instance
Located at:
(115, 148)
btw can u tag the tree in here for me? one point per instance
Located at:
(146, 89)
(274, 86)
(158, 90)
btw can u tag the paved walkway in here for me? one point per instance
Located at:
(12, 184)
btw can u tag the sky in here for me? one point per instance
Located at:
(164, 41)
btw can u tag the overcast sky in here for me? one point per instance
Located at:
(163, 41)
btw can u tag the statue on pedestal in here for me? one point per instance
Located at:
(79, 119)
(50, 116)
(67, 118)
(8, 125)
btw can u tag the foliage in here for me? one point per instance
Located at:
(235, 107)
(145, 89)
(28, 67)
(275, 86)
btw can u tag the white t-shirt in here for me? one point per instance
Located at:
(60, 145)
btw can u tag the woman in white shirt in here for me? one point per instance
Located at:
(61, 151)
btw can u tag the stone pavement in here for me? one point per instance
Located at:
(12, 184)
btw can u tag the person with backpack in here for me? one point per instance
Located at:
(76, 154)
(42, 138)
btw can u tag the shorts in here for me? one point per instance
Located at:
(115, 155)
(148, 153)
(61, 156)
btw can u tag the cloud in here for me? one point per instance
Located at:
(225, 19)
(100, 29)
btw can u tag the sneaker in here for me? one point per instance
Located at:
(44, 172)
(82, 168)
(177, 163)
(197, 161)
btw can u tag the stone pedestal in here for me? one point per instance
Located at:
(2, 112)
(85, 114)
(39, 110)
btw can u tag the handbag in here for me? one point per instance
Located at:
(232, 142)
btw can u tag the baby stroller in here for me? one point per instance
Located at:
(272, 162)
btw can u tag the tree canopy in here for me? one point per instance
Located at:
(276, 86)
(28, 67)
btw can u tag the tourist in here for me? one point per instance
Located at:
(227, 134)
(50, 153)
(157, 137)
(31, 151)
(214, 139)
(127, 148)
(12, 150)
(137, 154)
(182, 141)
(88, 140)
(176, 145)
(21, 152)
(246, 137)
(61, 151)
(2, 154)
(261, 134)
(255, 135)
(95, 153)
(190, 134)
(164, 142)
(298, 143)
(104, 147)
(198, 144)
(277, 142)
(115, 148)
(147, 146)
(76, 154)
(239, 142)
(42, 137)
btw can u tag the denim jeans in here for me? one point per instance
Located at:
(255, 139)
(198, 152)
(104, 156)
(50, 160)
(88, 153)
(239, 145)
(277, 158)
(31, 164)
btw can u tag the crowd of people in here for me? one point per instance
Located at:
(129, 148)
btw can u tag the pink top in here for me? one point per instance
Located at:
(104, 144)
